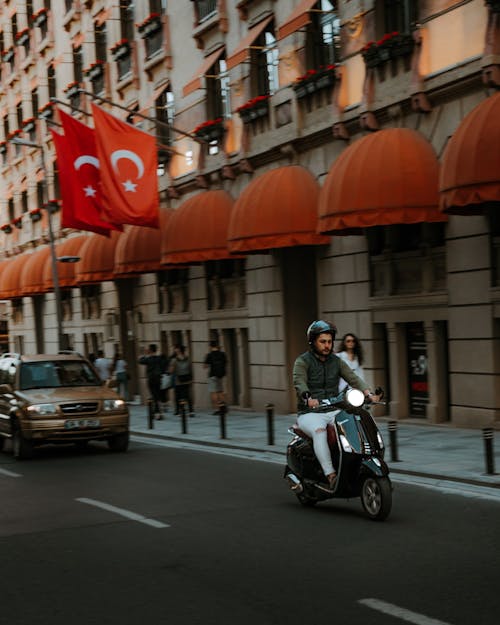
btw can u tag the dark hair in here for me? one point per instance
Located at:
(357, 349)
(152, 347)
(214, 344)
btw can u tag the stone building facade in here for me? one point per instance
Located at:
(316, 159)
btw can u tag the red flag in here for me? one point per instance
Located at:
(79, 177)
(128, 161)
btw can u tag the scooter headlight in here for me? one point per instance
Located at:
(355, 398)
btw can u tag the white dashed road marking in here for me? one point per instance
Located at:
(125, 513)
(10, 473)
(401, 613)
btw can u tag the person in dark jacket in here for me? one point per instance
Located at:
(156, 365)
(316, 376)
(180, 367)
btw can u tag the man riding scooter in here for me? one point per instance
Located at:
(316, 376)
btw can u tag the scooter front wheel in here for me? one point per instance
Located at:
(306, 501)
(376, 497)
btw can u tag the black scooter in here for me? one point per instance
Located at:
(357, 450)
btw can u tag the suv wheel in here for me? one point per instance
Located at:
(22, 448)
(119, 442)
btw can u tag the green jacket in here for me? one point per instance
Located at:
(321, 378)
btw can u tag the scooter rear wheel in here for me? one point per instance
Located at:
(376, 497)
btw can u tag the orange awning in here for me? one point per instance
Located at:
(66, 272)
(297, 19)
(196, 81)
(10, 277)
(387, 177)
(97, 262)
(139, 248)
(470, 173)
(277, 209)
(32, 281)
(242, 52)
(197, 231)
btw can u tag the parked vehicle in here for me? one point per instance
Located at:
(57, 399)
(357, 450)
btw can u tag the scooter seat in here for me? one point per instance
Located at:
(331, 434)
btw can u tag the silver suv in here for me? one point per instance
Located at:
(57, 399)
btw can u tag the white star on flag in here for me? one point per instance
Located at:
(89, 191)
(129, 186)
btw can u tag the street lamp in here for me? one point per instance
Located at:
(55, 273)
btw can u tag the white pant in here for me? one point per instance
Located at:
(314, 425)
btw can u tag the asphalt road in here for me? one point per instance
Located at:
(168, 535)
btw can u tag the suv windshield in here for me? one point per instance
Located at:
(57, 373)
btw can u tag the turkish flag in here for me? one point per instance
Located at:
(79, 177)
(128, 160)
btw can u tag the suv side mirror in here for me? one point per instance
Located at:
(5, 388)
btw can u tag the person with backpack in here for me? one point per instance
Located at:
(215, 362)
(156, 365)
(181, 370)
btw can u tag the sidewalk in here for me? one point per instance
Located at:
(434, 451)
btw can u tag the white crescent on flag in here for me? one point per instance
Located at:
(131, 156)
(86, 159)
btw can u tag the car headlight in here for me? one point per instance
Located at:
(113, 404)
(42, 409)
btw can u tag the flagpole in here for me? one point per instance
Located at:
(158, 122)
(79, 110)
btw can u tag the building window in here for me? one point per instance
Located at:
(323, 36)
(205, 9)
(218, 96)
(100, 39)
(400, 15)
(24, 201)
(173, 291)
(127, 11)
(264, 63)
(225, 284)
(91, 301)
(34, 102)
(407, 258)
(165, 112)
(51, 79)
(157, 6)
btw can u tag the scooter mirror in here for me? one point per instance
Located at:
(355, 398)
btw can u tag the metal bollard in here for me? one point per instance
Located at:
(222, 419)
(150, 414)
(393, 440)
(182, 406)
(488, 450)
(270, 423)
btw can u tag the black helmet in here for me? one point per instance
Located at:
(320, 327)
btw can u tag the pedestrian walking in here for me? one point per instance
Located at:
(103, 366)
(180, 367)
(156, 365)
(351, 352)
(216, 363)
(121, 374)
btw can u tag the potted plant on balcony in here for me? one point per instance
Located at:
(40, 17)
(95, 70)
(8, 54)
(46, 111)
(254, 108)
(7, 228)
(18, 222)
(120, 49)
(210, 130)
(3, 147)
(151, 25)
(72, 88)
(52, 206)
(35, 214)
(13, 134)
(23, 36)
(28, 124)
